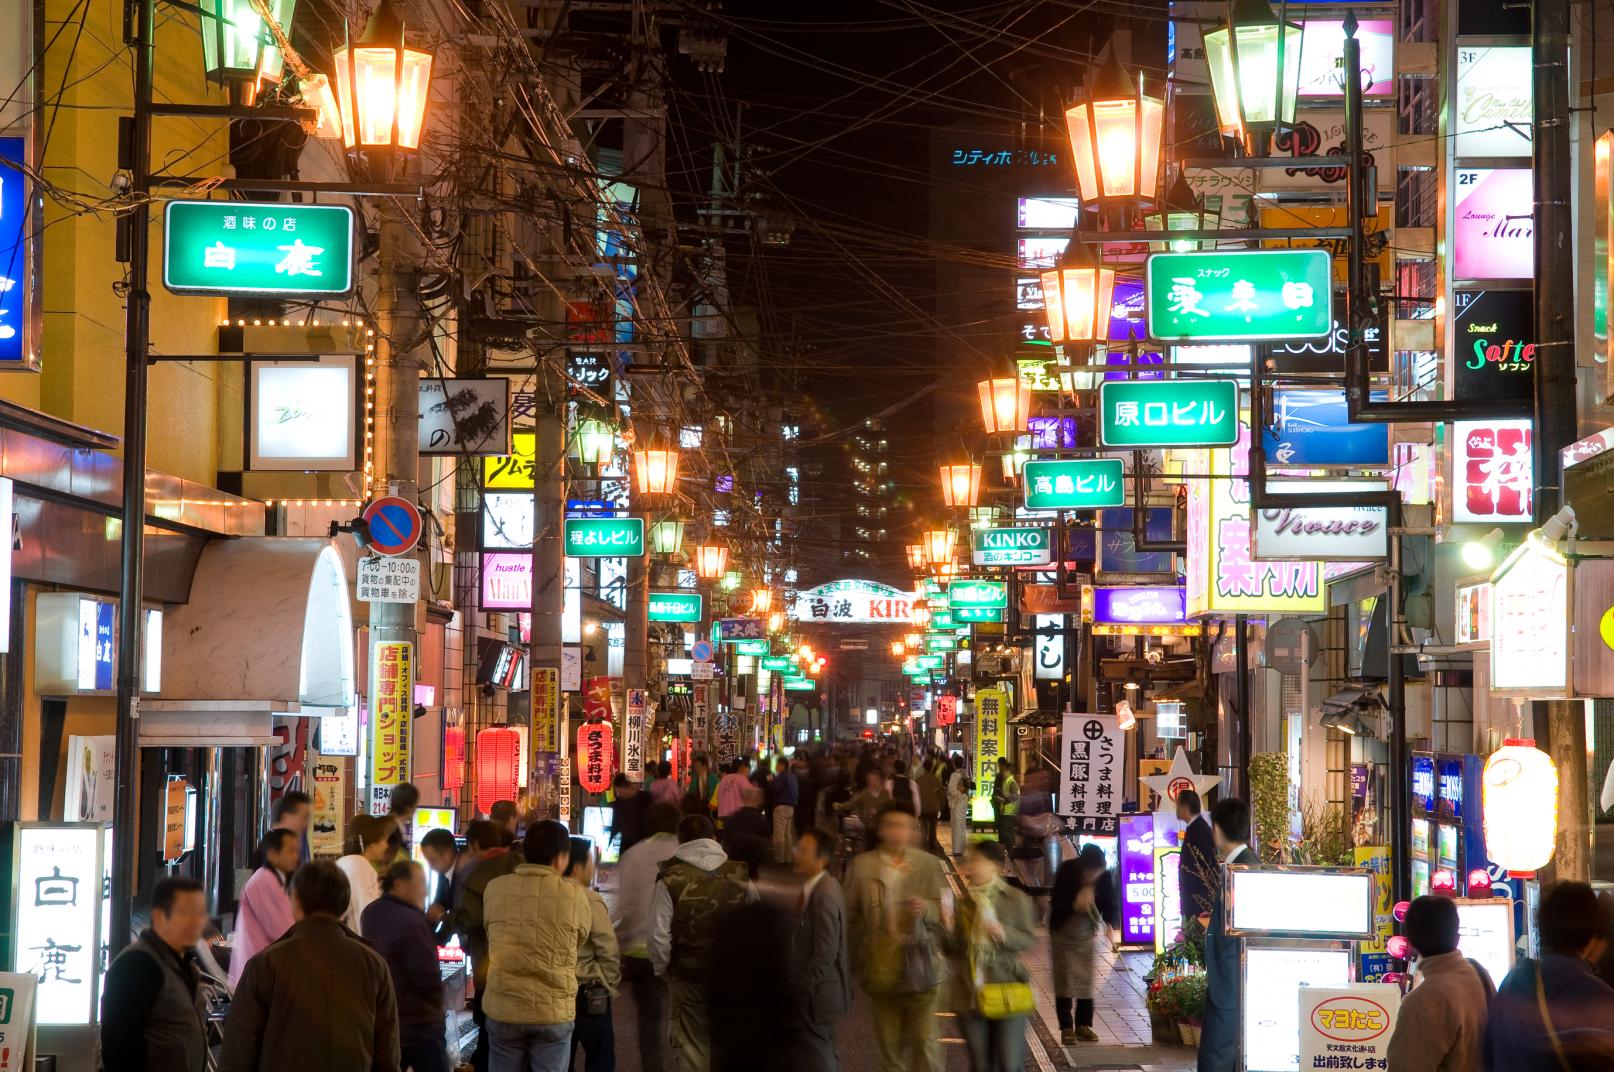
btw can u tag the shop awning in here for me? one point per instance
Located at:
(1036, 716)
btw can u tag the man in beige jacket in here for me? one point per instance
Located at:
(1441, 1025)
(536, 920)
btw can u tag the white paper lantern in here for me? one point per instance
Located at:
(1521, 806)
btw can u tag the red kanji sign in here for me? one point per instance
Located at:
(595, 756)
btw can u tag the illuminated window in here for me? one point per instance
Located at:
(690, 437)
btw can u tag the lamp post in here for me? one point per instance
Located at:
(711, 561)
(961, 484)
(237, 48)
(1005, 405)
(1077, 296)
(593, 441)
(655, 470)
(1115, 137)
(938, 543)
(381, 87)
(667, 537)
(1254, 62)
(1181, 210)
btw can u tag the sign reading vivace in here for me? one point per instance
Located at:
(1249, 294)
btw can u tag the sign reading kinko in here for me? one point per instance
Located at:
(1012, 547)
(243, 247)
(1248, 294)
(1169, 413)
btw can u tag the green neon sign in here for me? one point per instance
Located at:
(1168, 413)
(758, 648)
(675, 606)
(978, 593)
(1240, 295)
(1075, 484)
(941, 619)
(800, 684)
(778, 664)
(604, 537)
(930, 662)
(245, 247)
(941, 642)
(975, 615)
(1012, 547)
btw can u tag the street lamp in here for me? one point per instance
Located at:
(898, 649)
(1181, 210)
(655, 470)
(920, 614)
(593, 441)
(711, 560)
(1014, 461)
(1254, 64)
(761, 600)
(666, 537)
(961, 484)
(1077, 296)
(916, 556)
(1115, 136)
(381, 85)
(938, 544)
(1005, 405)
(238, 47)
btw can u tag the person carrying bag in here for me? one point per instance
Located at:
(985, 936)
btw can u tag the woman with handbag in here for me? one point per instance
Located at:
(599, 968)
(1079, 914)
(991, 985)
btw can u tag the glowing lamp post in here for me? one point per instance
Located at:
(1077, 296)
(938, 545)
(1014, 461)
(238, 47)
(1115, 137)
(1254, 64)
(381, 86)
(1520, 793)
(655, 471)
(761, 601)
(916, 556)
(961, 484)
(667, 537)
(920, 615)
(1005, 405)
(711, 560)
(1181, 210)
(592, 442)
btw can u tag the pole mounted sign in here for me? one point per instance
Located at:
(604, 537)
(1075, 484)
(1169, 413)
(1011, 547)
(394, 525)
(675, 606)
(242, 247)
(978, 593)
(1243, 295)
(977, 615)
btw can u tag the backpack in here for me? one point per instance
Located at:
(699, 898)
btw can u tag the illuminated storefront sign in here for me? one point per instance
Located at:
(392, 712)
(512, 471)
(1075, 484)
(1530, 608)
(1012, 546)
(1135, 852)
(1495, 345)
(57, 917)
(242, 247)
(1473, 613)
(1240, 296)
(508, 520)
(1493, 471)
(1312, 426)
(1322, 57)
(303, 415)
(978, 593)
(604, 537)
(1493, 223)
(1494, 113)
(1322, 533)
(854, 602)
(1168, 413)
(675, 606)
(17, 348)
(991, 734)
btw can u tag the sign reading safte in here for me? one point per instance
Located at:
(1012, 547)
(604, 537)
(1249, 294)
(243, 247)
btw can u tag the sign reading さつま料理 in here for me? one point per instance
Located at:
(1091, 791)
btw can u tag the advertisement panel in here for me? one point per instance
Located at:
(327, 823)
(1495, 113)
(16, 345)
(1135, 853)
(1493, 471)
(1282, 974)
(1049, 650)
(1321, 132)
(1493, 223)
(1530, 637)
(991, 738)
(57, 882)
(854, 602)
(1300, 903)
(243, 247)
(633, 729)
(509, 519)
(1312, 426)
(303, 415)
(506, 581)
(1322, 57)
(1091, 753)
(464, 416)
(1347, 1026)
(392, 711)
(1074, 484)
(513, 471)
(1026, 546)
(1246, 295)
(1495, 348)
(1323, 533)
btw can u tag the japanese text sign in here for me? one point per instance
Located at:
(1252, 294)
(392, 709)
(595, 758)
(1075, 484)
(1091, 751)
(946, 710)
(243, 247)
(545, 711)
(1493, 471)
(1348, 1026)
(1135, 854)
(1169, 413)
(633, 735)
(991, 736)
(675, 606)
(514, 470)
(978, 593)
(57, 902)
(604, 537)
(383, 579)
(1531, 600)
(853, 602)
(1012, 547)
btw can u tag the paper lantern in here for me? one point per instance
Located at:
(498, 766)
(960, 484)
(1520, 787)
(595, 756)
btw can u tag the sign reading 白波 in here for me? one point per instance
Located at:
(854, 602)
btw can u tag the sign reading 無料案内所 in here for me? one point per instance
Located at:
(1169, 413)
(604, 537)
(1241, 295)
(245, 247)
(675, 606)
(1075, 484)
(1011, 547)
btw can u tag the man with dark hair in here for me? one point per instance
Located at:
(1196, 864)
(397, 929)
(318, 998)
(491, 840)
(627, 810)
(504, 813)
(1219, 1037)
(698, 884)
(630, 915)
(823, 974)
(264, 913)
(1441, 1024)
(442, 853)
(153, 1017)
(405, 799)
(1556, 1014)
(294, 811)
(536, 920)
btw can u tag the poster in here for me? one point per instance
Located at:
(1376, 858)
(1092, 751)
(91, 778)
(545, 710)
(392, 708)
(1347, 1026)
(633, 729)
(327, 825)
(991, 736)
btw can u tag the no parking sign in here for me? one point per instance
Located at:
(394, 525)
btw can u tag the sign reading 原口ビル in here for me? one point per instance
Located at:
(1169, 413)
(243, 247)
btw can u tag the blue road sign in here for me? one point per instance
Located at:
(394, 525)
(701, 651)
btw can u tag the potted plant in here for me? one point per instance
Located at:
(1188, 1000)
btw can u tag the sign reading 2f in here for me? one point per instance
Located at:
(243, 247)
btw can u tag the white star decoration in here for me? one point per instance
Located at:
(1181, 776)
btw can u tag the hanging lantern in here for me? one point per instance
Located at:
(1520, 786)
(938, 545)
(961, 484)
(711, 559)
(667, 537)
(593, 441)
(1014, 461)
(1254, 65)
(498, 766)
(655, 470)
(238, 46)
(916, 556)
(382, 85)
(595, 756)
(1005, 405)
(1115, 136)
(761, 600)
(1181, 210)
(776, 622)
(920, 615)
(1077, 297)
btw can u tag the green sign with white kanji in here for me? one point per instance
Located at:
(941, 619)
(1168, 413)
(245, 247)
(1243, 295)
(935, 642)
(778, 664)
(675, 606)
(977, 593)
(604, 537)
(1012, 547)
(930, 662)
(750, 647)
(975, 615)
(800, 684)
(1075, 484)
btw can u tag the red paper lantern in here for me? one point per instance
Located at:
(595, 756)
(498, 766)
(453, 757)
(946, 710)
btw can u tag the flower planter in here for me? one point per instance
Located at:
(1162, 1029)
(1190, 1033)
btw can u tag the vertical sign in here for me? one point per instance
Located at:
(565, 799)
(1091, 752)
(56, 898)
(1167, 896)
(326, 824)
(1374, 959)
(699, 712)
(17, 992)
(545, 711)
(633, 736)
(392, 701)
(1135, 853)
(1050, 647)
(946, 709)
(16, 294)
(991, 714)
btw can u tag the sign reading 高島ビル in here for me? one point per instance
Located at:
(1249, 294)
(1075, 484)
(243, 247)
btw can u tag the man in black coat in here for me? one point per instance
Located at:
(153, 1017)
(1197, 864)
(823, 970)
(396, 928)
(1219, 1038)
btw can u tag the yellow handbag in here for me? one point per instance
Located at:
(1000, 1001)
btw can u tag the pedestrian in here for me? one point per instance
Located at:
(810, 781)
(627, 811)
(1441, 1024)
(508, 817)
(786, 795)
(536, 923)
(867, 804)
(893, 897)
(702, 784)
(1555, 1014)
(901, 786)
(294, 811)
(1005, 802)
(264, 913)
(488, 838)
(368, 846)
(663, 789)
(698, 883)
(958, 804)
(1196, 864)
(401, 810)
(153, 1015)
(991, 984)
(635, 886)
(823, 972)
(931, 793)
(746, 835)
(731, 790)
(1219, 1037)
(1079, 910)
(397, 929)
(318, 1000)
(442, 856)
(599, 967)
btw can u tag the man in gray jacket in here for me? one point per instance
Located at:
(1441, 1025)
(317, 1000)
(823, 966)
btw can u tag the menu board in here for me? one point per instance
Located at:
(1300, 902)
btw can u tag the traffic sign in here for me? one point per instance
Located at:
(388, 580)
(1168, 413)
(701, 651)
(1075, 484)
(394, 525)
(1240, 295)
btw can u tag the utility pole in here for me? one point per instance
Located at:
(1562, 721)
(549, 575)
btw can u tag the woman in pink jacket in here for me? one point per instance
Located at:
(264, 913)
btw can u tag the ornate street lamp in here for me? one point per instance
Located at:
(711, 560)
(732, 580)
(655, 470)
(961, 484)
(1077, 296)
(938, 545)
(593, 441)
(1014, 461)
(1005, 405)
(238, 48)
(381, 86)
(898, 649)
(1181, 210)
(761, 600)
(667, 537)
(1254, 64)
(920, 615)
(1115, 136)
(916, 556)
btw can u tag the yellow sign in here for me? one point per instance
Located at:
(392, 703)
(1148, 768)
(991, 737)
(1038, 373)
(545, 711)
(513, 471)
(1328, 216)
(1605, 627)
(1376, 858)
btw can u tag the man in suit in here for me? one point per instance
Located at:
(1219, 1039)
(823, 966)
(1197, 863)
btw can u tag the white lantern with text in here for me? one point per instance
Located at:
(1520, 787)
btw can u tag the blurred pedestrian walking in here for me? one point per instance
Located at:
(1081, 910)
(958, 804)
(153, 1015)
(990, 984)
(599, 967)
(822, 965)
(636, 879)
(397, 928)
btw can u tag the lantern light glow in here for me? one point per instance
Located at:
(711, 560)
(1520, 787)
(498, 766)
(382, 85)
(667, 537)
(961, 484)
(1005, 405)
(1115, 136)
(655, 470)
(1244, 55)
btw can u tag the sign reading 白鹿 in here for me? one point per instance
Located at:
(855, 603)
(1090, 756)
(1242, 295)
(242, 247)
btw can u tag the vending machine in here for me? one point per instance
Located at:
(1422, 848)
(1450, 850)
